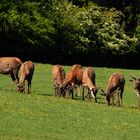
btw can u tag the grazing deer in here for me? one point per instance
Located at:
(72, 79)
(88, 81)
(115, 86)
(10, 65)
(136, 84)
(58, 75)
(26, 73)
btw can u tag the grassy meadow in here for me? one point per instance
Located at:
(41, 116)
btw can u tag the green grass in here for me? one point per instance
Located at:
(41, 116)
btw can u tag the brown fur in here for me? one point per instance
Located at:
(115, 86)
(26, 73)
(58, 75)
(10, 65)
(88, 81)
(76, 66)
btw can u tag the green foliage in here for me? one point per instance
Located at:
(112, 34)
(63, 27)
(85, 28)
(27, 24)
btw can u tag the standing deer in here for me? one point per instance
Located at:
(136, 84)
(88, 81)
(26, 73)
(10, 65)
(115, 86)
(58, 75)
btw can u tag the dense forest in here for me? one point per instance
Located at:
(89, 32)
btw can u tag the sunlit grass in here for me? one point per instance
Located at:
(43, 116)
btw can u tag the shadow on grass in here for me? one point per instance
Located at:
(133, 107)
(45, 94)
(101, 102)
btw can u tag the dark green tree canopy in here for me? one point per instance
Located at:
(70, 29)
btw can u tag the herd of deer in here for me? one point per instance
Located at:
(77, 76)
(66, 83)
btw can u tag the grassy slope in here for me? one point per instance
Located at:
(43, 116)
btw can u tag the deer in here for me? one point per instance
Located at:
(58, 75)
(26, 73)
(77, 87)
(136, 85)
(88, 81)
(115, 86)
(10, 65)
(72, 80)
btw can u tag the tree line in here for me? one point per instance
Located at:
(91, 32)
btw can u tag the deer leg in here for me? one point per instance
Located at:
(138, 101)
(118, 98)
(77, 91)
(17, 78)
(55, 91)
(121, 102)
(112, 100)
(13, 80)
(29, 87)
(83, 92)
(121, 98)
(72, 95)
(89, 95)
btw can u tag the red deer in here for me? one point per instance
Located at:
(10, 65)
(72, 79)
(136, 85)
(26, 73)
(58, 75)
(88, 81)
(115, 86)
(77, 87)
